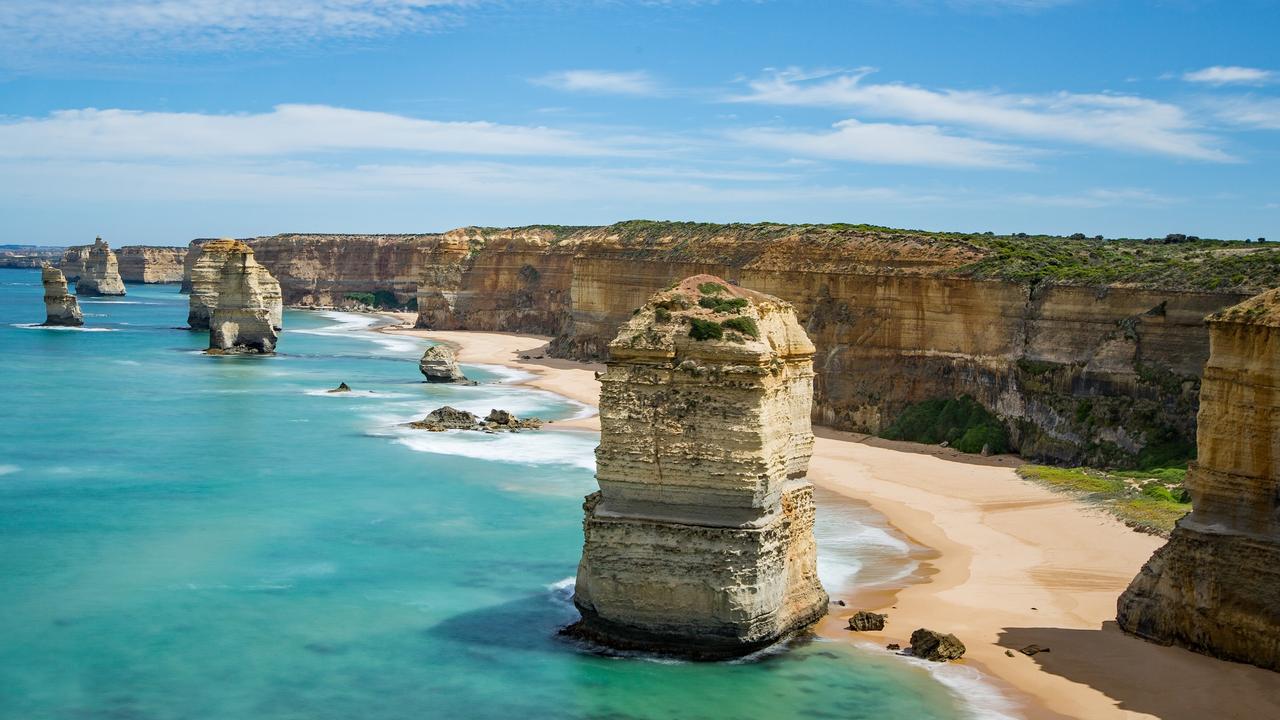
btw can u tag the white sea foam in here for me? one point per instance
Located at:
(524, 448)
(978, 696)
(364, 394)
(38, 326)
(506, 375)
(105, 301)
(9, 469)
(355, 325)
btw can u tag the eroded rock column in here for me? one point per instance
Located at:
(700, 540)
(1215, 587)
(245, 319)
(61, 307)
(100, 274)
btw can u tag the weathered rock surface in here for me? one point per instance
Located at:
(450, 418)
(1215, 587)
(864, 621)
(439, 365)
(99, 272)
(151, 264)
(60, 307)
(700, 540)
(504, 420)
(243, 320)
(938, 647)
(342, 388)
(206, 283)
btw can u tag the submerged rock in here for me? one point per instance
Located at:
(1215, 587)
(863, 621)
(938, 647)
(100, 272)
(700, 540)
(60, 307)
(439, 365)
(243, 321)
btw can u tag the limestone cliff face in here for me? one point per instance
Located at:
(322, 269)
(242, 320)
(99, 272)
(148, 264)
(207, 275)
(1215, 587)
(61, 307)
(700, 540)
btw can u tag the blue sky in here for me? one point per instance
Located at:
(156, 121)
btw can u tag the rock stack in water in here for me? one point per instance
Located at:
(438, 365)
(100, 273)
(244, 319)
(1215, 587)
(700, 540)
(206, 283)
(61, 307)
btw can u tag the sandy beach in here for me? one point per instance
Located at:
(1011, 564)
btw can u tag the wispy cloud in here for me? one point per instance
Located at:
(1259, 113)
(1097, 198)
(886, 143)
(1230, 75)
(286, 130)
(1118, 122)
(636, 82)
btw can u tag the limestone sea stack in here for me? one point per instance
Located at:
(61, 307)
(243, 320)
(100, 273)
(1215, 587)
(439, 365)
(206, 281)
(700, 540)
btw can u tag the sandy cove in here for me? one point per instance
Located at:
(1011, 564)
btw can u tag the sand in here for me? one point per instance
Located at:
(1010, 564)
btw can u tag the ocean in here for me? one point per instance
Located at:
(193, 537)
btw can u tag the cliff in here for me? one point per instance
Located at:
(242, 321)
(700, 540)
(1089, 350)
(148, 264)
(99, 272)
(207, 276)
(61, 307)
(1215, 587)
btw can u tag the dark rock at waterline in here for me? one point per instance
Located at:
(938, 647)
(446, 418)
(504, 420)
(863, 621)
(893, 646)
(342, 387)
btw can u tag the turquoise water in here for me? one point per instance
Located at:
(184, 536)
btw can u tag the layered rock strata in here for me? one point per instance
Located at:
(438, 365)
(243, 321)
(99, 273)
(1215, 587)
(61, 307)
(151, 264)
(207, 277)
(700, 540)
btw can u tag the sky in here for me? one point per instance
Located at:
(158, 121)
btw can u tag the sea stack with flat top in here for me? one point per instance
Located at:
(699, 542)
(100, 273)
(206, 282)
(243, 322)
(61, 308)
(1215, 587)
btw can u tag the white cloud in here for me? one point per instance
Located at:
(1118, 122)
(886, 143)
(1249, 112)
(285, 130)
(1230, 75)
(601, 81)
(1096, 198)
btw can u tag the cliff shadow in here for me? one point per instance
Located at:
(1143, 677)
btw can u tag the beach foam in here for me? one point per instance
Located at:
(38, 326)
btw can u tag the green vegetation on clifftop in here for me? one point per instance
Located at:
(1146, 500)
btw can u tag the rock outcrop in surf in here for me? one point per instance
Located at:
(438, 365)
(100, 271)
(244, 319)
(700, 540)
(60, 307)
(1215, 587)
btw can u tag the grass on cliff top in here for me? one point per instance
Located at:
(1146, 500)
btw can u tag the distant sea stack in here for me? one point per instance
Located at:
(100, 272)
(1215, 587)
(700, 540)
(61, 307)
(206, 281)
(246, 318)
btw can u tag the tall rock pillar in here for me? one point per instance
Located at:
(246, 318)
(100, 274)
(1215, 587)
(700, 540)
(60, 307)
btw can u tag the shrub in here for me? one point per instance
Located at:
(700, 329)
(362, 298)
(723, 306)
(710, 288)
(662, 314)
(743, 324)
(962, 422)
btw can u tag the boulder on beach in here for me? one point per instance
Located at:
(863, 621)
(439, 365)
(938, 647)
(504, 420)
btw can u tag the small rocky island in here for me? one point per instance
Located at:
(438, 365)
(1215, 587)
(100, 273)
(246, 317)
(60, 307)
(451, 418)
(700, 540)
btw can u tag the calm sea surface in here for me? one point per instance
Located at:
(194, 537)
